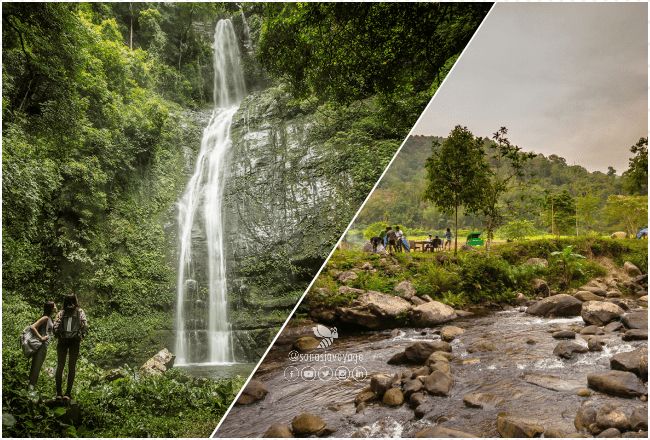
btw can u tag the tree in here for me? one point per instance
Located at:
(457, 173)
(507, 162)
(588, 206)
(517, 229)
(628, 212)
(560, 209)
(636, 176)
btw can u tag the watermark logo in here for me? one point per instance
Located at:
(327, 335)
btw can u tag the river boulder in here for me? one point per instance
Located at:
(566, 349)
(616, 383)
(278, 430)
(449, 332)
(556, 305)
(393, 397)
(442, 432)
(380, 383)
(635, 361)
(610, 416)
(347, 277)
(600, 312)
(405, 289)
(307, 424)
(375, 310)
(540, 287)
(618, 235)
(254, 391)
(518, 427)
(418, 352)
(643, 301)
(636, 334)
(636, 320)
(438, 383)
(631, 269)
(585, 417)
(431, 313)
(411, 386)
(306, 343)
(564, 334)
(639, 419)
(585, 295)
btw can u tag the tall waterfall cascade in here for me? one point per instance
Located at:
(203, 333)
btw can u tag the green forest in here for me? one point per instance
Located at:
(548, 197)
(98, 101)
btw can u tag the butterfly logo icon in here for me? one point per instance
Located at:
(327, 334)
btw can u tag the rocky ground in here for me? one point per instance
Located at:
(477, 377)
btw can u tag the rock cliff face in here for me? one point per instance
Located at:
(280, 206)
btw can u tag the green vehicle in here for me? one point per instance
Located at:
(474, 239)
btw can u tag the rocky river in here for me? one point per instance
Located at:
(493, 373)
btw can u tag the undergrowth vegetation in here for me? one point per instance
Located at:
(474, 277)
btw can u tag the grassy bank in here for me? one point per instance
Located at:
(473, 277)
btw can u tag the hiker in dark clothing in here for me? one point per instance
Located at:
(42, 329)
(70, 327)
(391, 240)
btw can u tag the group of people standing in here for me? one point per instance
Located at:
(69, 327)
(393, 239)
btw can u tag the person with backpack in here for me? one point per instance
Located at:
(42, 329)
(70, 327)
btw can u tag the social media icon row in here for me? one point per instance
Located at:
(292, 373)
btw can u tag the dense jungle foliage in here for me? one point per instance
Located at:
(545, 199)
(99, 102)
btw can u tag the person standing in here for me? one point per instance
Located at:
(448, 239)
(42, 329)
(70, 327)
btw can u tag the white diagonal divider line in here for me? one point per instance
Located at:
(451, 71)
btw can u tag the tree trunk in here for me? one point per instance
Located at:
(130, 25)
(456, 233)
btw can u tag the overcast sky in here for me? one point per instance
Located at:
(566, 79)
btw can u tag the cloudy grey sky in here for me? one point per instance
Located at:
(566, 79)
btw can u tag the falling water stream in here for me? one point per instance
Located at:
(203, 333)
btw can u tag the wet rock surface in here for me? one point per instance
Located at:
(517, 379)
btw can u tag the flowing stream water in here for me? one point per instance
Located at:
(521, 372)
(203, 334)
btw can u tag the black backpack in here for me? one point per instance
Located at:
(70, 327)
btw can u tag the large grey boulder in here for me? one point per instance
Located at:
(638, 320)
(585, 295)
(600, 312)
(635, 361)
(431, 313)
(419, 352)
(631, 269)
(616, 383)
(375, 310)
(566, 349)
(556, 305)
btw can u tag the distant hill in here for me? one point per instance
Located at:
(398, 198)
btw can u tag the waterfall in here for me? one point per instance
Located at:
(202, 328)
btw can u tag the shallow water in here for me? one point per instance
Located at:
(218, 371)
(522, 371)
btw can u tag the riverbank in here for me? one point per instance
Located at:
(523, 361)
